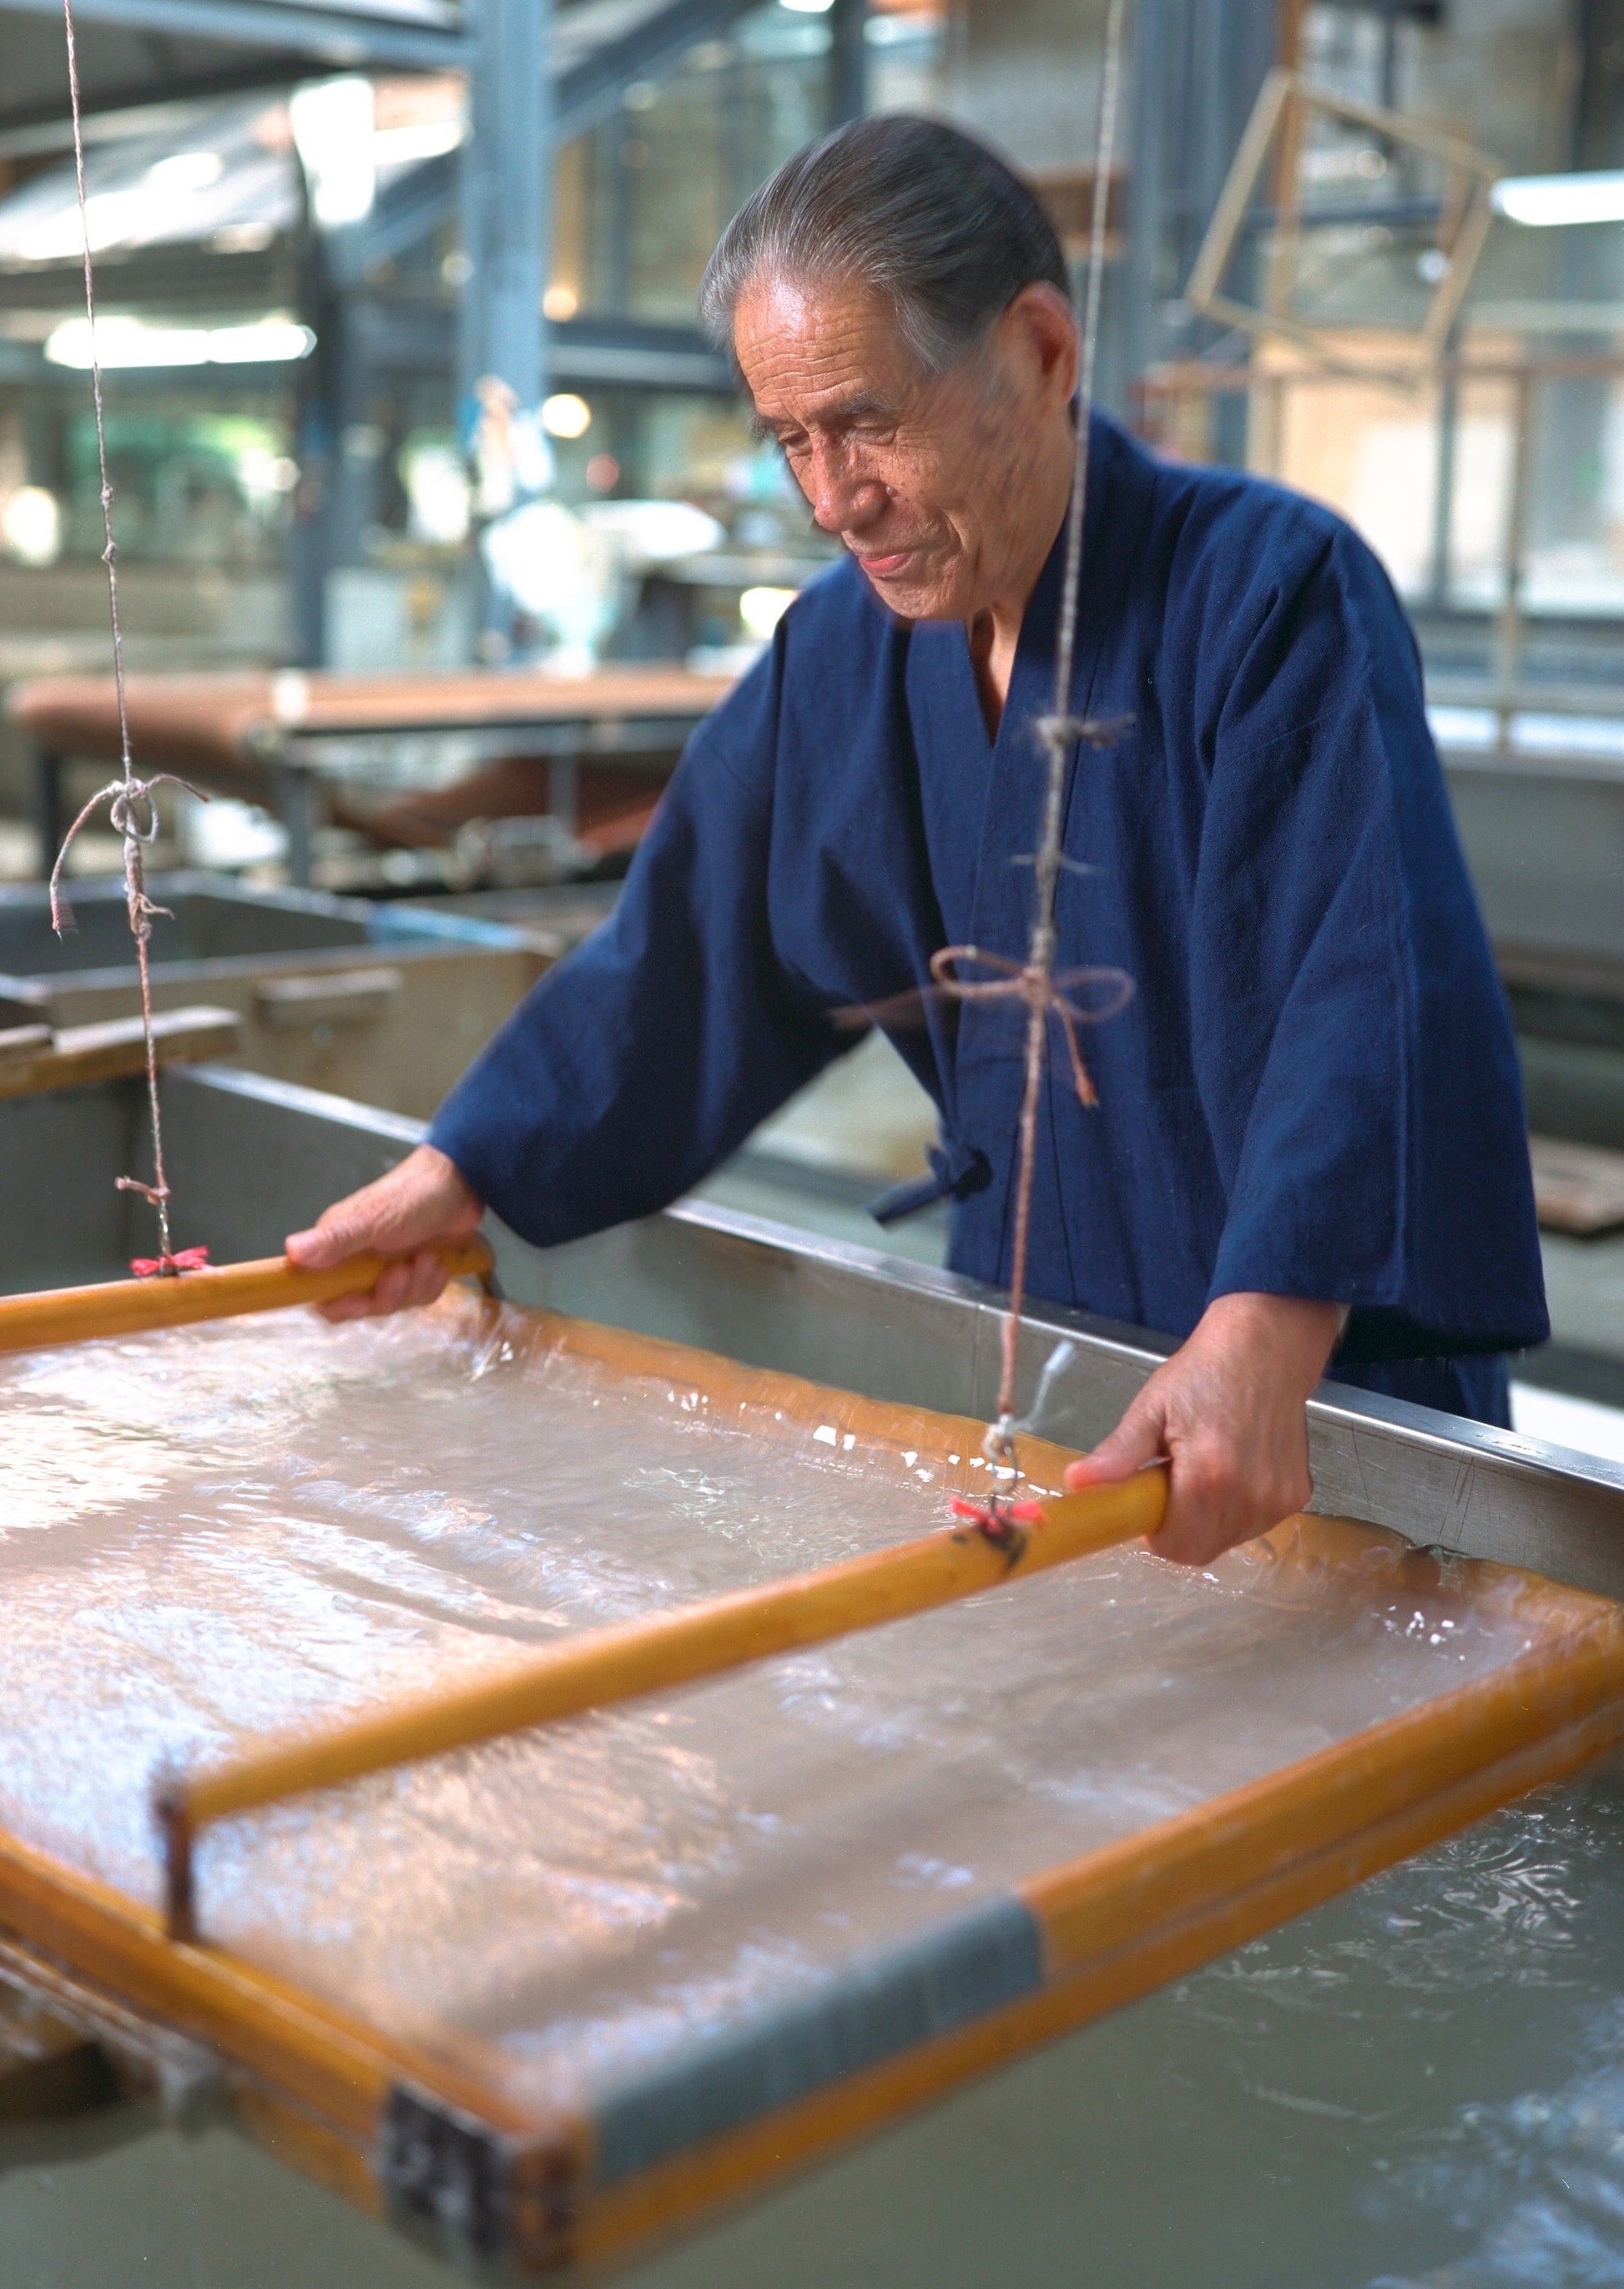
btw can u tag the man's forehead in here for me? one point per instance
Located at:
(826, 351)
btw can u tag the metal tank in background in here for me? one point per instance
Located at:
(383, 1003)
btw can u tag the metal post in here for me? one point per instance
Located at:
(564, 791)
(1199, 65)
(1508, 627)
(50, 814)
(1444, 498)
(294, 799)
(847, 61)
(317, 421)
(1143, 264)
(507, 184)
(1387, 93)
(1237, 46)
(615, 281)
(506, 208)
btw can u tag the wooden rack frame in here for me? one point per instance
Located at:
(605, 1667)
(1284, 101)
(427, 2128)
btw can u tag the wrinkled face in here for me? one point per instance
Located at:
(932, 480)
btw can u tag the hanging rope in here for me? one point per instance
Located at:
(1062, 733)
(131, 809)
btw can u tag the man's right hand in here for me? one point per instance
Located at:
(425, 1200)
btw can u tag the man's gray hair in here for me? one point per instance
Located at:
(913, 210)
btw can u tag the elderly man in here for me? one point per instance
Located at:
(1309, 1146)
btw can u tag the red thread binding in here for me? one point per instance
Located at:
(166, 1267)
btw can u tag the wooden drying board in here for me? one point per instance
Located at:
(219, 728)
(34, 1059)
(430, 2132)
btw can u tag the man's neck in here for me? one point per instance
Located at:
(994, 631)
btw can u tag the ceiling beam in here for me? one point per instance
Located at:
(590, 90)
(430, 38)
(585, 93)
(39, 131)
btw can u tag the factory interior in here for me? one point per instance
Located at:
(380, 521)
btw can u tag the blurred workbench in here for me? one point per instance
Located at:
(279, 738)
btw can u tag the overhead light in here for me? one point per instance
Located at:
(566, 415)
(31, 525)
(243, 237)
(1550, 202)
(142, 209)
(333, 122)
(559, 302)
(263, 341)
(132, 342)
(807, 7)
(422, 139)
(183, 171)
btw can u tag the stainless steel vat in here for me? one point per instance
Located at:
(251, 1159)
(1120, 2156)
(387, 1002)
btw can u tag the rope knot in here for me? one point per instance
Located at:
(1046, 991)
(123, 798)
(1059, 732)
(127, 797)
(126, 793)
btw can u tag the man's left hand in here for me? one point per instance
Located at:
(1226, 1412)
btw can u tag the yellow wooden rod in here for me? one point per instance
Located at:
(653, 1654)
(125, 1307)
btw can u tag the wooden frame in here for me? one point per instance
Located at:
(34, 1059)
(132, 1307)
(1283, 101)
(427, 2131)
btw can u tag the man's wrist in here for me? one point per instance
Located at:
(1298, 1332)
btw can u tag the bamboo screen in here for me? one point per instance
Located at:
(564, 1989)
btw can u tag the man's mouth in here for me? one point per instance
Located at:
(883, 563)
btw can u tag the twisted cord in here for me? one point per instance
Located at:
(1060, 733)
(126, 795)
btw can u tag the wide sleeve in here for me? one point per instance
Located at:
(643, 1059)
(1355, 1059)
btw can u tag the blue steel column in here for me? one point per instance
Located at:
(1198, 67)
(1233, 56)
(847, 61)
(1143, 283)
(506, 208)
(329, 407)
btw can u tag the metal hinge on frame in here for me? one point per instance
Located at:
(486, 2195)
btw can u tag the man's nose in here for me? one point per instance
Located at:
(843, 497)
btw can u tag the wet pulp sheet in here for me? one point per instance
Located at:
(236, 1528)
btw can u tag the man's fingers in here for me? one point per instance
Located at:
(1206, 1509)
(426, 1279)
(326, 1244)
(406, 1286)
(1218, 1495)
(344, 1307)
(1136, 1440)
(425, 1199)
(381, 1217)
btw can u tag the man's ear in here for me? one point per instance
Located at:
(1040, 334)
